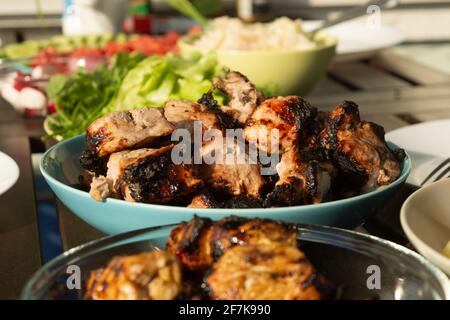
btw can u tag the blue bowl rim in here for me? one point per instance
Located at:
(406, 168)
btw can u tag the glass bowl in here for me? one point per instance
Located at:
(360, 266)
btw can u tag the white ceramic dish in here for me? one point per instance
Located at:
(425, 219)
(428, 145)
(357, 40)
(9, 172)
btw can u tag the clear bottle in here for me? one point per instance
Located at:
(82, 17)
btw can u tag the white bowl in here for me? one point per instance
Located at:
(425, 218)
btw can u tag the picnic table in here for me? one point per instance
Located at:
(391, 90)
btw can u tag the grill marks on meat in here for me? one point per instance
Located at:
(149, 175)
(242, 94)
(305, 178)
(183, 114)
(190, 242)
(322, 155)
(264, 272)
(123, 130)
(289, 116)
(146, 276)
(304, 175)
(204, 200)
(233, 258)
(200, 242)
(233, 177)
(359, 149)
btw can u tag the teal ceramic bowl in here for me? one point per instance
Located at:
(60, 167)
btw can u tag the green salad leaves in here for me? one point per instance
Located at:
(130, 81)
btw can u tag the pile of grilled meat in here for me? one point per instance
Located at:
(323, 155)
(231, 259)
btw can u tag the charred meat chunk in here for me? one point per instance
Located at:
(190, 242)
(149, 175)
(124, 130)
(242, 94)
(242, 202)
(204, 200)
(91, 162)
(289, 117)
(199, 242)
(230, 176)
(304, 178)
(359, 148)
(264, 272)
(153, 275)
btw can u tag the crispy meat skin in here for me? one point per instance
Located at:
(190, 242)
(199, 242)
(149, 175)
(291, 116)
(359, 149)
(204, 200)
(242, 94)
(264, 272)
(154, 275)
(305, 178)
(234, 178)
(123, 130)
(304, 175)
(91, 162)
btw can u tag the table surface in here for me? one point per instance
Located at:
(391, 90)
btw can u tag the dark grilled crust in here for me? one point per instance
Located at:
(233, 230)
(90, 161)
(189, 241)
(242, 202)
(225, 120)
(204, 200)
(158, 180)
(286, 194)
(264, 272)
(199, 242)
(346, 112)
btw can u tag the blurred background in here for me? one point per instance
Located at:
(418, 20)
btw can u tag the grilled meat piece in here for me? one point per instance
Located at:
(242, 94)
(264, 272)
(190, 242)
(147, 276)
(233, 177)
(183, 114)
(305, 178)
(204, 200)
(199, 242)
(233, 230)
(359, 149)
(91, 162)
(242, 202)
(99, 188)
(123, 130)
(149, 175)
(291, 116)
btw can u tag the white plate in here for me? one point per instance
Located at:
(357, 40)
(428, 145)
(425, 219)
(9, 172)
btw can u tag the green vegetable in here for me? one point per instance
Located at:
(157, 79)
(131, 82)
(188, 9)
(82, 98)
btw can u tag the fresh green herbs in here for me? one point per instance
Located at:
(130, 82)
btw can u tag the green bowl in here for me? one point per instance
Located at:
(60, 167)
(286, 72)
